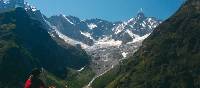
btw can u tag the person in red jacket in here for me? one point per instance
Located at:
(34, 81)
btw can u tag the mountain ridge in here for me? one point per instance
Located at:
(91, 30)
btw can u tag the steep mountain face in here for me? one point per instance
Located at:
(25, 44)
(135, 27)
(71, 27)
(93, 30)
(99, 28)
(169, 58)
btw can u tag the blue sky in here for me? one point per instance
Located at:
(112, 10)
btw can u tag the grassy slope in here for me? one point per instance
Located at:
(77, 79)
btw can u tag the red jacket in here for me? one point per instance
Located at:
(34, 83)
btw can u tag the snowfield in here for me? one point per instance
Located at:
(70, 40)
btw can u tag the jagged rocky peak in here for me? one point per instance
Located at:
(12, 3)
(140, 14)
(2, 1)
(6, 5)
(140, 25)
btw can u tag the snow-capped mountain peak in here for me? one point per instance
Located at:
(30, 7)
(92, 26)
(140, 14)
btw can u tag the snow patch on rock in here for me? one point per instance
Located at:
(68, 20)
(92, 26)
(87, 34)
(108, 42)
(81, 69)
(124, 54)
(70, 41)
(138, 38)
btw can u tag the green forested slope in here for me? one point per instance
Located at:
(169, 58)
(25, 44)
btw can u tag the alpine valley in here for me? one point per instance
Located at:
(96, 53)
(107, 43)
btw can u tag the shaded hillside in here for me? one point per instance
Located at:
(24, 44)
(169, 58)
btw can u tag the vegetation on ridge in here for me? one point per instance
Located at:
(25, 44)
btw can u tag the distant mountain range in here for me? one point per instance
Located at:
(108, 43)
(91, 31)
(100, 54)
